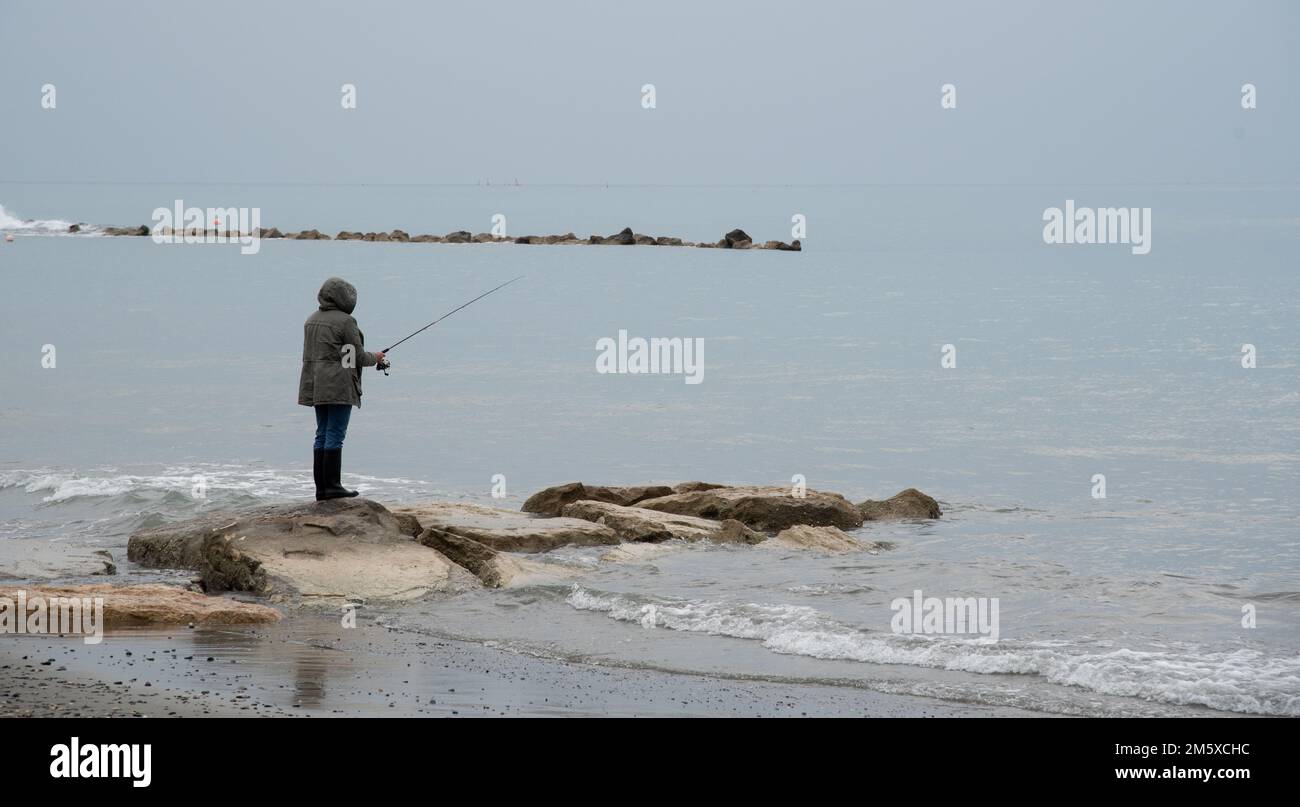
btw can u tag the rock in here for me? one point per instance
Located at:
(483, 238)
(458, 237)
(74, 228)
(796, 245)
(624, 237)
(495, 569)
(399, 235)
(426, 239)
(309, 235)
(687, 487)
(910, 503)
(736, 239)
(825, 539)
(332, 551)
(272, 232)
(639, 524)
(344, 235)
(763, 508)
(143, 229)
(379, 237)
(551, 501)
(155, 604)
(560, 239)
(508, 530)
(665, 241)
(50, 560)
(644, 240)
(706, 245)
(780, 245)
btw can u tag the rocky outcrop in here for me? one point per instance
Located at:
(735, 239)
(154, 604)
(551, 501)
(822, 539)
(907, 504)
(315, 552)
(641, 525)
(504, 530)
(770, 509)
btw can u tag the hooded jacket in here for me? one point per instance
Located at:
(333, 349)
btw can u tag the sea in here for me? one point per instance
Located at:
(1114, 438)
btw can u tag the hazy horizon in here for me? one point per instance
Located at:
(768, 93)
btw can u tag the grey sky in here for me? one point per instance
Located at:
(791, 92)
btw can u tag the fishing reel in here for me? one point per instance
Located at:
(383, 365)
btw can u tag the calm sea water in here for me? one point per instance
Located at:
(1072, 361)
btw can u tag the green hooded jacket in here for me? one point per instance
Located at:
(333, 349)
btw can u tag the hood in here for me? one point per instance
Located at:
(337, 293)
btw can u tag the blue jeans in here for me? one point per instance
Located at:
(332, 425)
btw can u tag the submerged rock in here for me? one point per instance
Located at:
(551, 501)
(504, 530)
(155, 604)
(823, 539)
(910, 503)
(763, 508)
(143, 229)
(639, 524)
(332, 551)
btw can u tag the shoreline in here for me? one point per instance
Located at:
(309, 666)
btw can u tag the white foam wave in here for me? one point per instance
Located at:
(13, 224)
(1239, 681)
(61, 485)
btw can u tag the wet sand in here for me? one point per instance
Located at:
(310, 666)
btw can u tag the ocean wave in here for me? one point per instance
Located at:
(13, 224)
(1245, 681)
(219, 482)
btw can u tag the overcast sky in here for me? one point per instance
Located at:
(780, 92)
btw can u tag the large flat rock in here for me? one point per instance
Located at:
(153, 604)
(505, 530)
(770, 509)
(343, 550)
(642, 525)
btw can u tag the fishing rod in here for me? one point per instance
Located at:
(384, 365)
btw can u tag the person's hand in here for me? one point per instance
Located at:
(379, 357)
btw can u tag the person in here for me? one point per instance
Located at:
(333, 355)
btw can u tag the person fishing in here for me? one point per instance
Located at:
(333, 355)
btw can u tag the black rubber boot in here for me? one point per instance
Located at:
(318, 471)
(333, 471)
